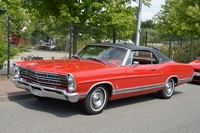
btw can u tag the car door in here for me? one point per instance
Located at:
(141, 76)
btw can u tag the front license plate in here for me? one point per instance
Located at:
(36, 92)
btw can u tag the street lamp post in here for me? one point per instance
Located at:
(8, 64)
(139, 23)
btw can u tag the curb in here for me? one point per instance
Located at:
(15, 96)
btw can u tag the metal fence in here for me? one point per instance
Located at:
(179, 48)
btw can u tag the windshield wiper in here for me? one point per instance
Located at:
(95, 59)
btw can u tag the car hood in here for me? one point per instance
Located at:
(195, 64)
(63, 66)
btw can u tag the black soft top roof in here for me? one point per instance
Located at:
(161, 57)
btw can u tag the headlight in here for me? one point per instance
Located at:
(16, 71)
(71, 83)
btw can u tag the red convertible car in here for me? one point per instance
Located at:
(102, 72)
(196, 65)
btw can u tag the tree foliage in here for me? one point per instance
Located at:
(107, 15)
(101, 17)
(148, 24)
(3, 54)
(181, 17)
(19, 19)
(2, 10)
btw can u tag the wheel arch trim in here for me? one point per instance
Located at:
(173, 77)
(110, 90)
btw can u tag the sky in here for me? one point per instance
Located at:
(148, 12)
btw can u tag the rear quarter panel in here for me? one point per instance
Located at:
(183, 72)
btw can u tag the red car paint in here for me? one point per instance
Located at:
(196, 65)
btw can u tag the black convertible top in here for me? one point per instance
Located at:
(162, 57)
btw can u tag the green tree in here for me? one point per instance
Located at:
(107, 14)
(181, 17)
(149, 34)
(148, 24)
(2, 11)
(20, 20)
(115, 17)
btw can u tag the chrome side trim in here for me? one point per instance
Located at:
(135, 89)
(46, 91)
(185, 80)
(126, 90)
(139, 88)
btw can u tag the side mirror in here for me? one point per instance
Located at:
(135, 63)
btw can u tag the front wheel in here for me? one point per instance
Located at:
(96, 100)
(168, 91)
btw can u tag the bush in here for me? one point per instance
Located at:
(4, 53)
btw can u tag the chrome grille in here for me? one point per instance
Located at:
(41, 77)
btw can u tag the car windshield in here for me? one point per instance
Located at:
(104, 54)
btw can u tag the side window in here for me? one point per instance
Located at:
(144, 57)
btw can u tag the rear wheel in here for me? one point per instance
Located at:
(96, 100)
(168, 91)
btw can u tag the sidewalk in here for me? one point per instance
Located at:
(8, 91)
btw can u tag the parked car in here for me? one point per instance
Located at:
(196, 65)
(102, 72)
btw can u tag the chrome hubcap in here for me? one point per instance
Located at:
(98, 99)
(169, 87)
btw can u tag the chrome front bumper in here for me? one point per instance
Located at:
(45, 91)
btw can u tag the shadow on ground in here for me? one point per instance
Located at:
(64, 109)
